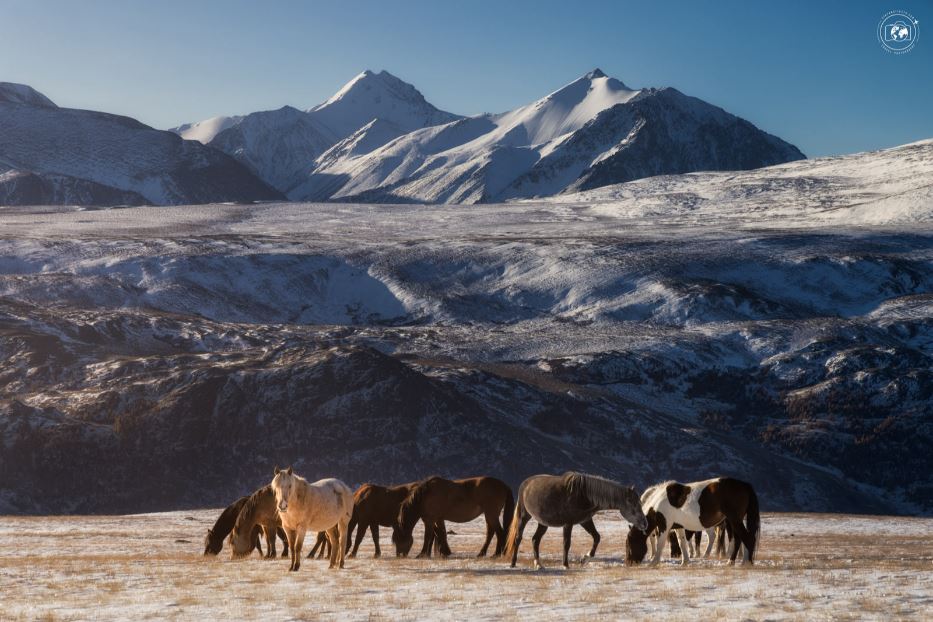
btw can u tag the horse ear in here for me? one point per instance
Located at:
(289, 471)
(210, 532)
(277, 469)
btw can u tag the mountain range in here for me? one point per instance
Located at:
(376, 140)
(379, 140)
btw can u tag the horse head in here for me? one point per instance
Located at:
(631, 509)
(402, 542)
(242, 543)
(282, 485)
(636, 546)
(212, 545)
(408, 514)
(636, 543)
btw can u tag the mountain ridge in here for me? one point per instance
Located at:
(388, 144)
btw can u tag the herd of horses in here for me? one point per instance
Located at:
(724, 508)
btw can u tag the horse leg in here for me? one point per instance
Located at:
(333, 537)
(662, 538)
(536, 543)
(737, 530)
(292, 540)
(653, 542)
(354, 522)
(568, 530)
(318, 542)
(269, 533)
(743, 537)
(299, 543)
(374, 530)
(684, 546)
(711, 538)
(590, 528)
(343, 532)
(428, 539)
(284, 539)
(520, 529)
(675, 546)
(360, 534)
(490, 532)
(440, 532)
(697, 537)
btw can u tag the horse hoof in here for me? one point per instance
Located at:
(377, 555)
(537, 566)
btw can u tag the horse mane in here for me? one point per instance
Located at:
(408, 511)
(250, 507)
(652, 491)
(227, 519)
(601, 491)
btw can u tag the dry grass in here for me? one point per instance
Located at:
(62, 568)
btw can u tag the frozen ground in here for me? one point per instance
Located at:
(149, 567)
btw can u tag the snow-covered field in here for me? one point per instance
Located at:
(150, 567)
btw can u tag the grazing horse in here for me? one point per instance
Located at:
(567, 500)
(325, 505)
(436, 500)
(698, 506)
(214, 540)
(692, 537)
(258, 514)
(378, 506)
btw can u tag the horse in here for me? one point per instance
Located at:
(692, 537)
(567, 500)
(698, 506)
(325, 505)
(257, 515)
(436, 499)
(378, 506)
(214, 540)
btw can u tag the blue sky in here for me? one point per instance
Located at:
(810, 72)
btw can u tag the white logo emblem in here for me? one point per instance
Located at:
(898, 32)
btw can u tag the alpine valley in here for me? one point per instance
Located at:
(629, 282)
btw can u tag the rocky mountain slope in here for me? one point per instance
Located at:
(378, 140)
(775, 325)
(52, 155)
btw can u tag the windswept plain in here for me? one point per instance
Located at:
(150, 567)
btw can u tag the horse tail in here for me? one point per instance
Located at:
(508, 509)
(511, 542)
(753, 521)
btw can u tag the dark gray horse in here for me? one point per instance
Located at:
(567, 500)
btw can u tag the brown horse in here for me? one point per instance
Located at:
(437, 499)
(214, 540)
(378, 506)
(258, 515)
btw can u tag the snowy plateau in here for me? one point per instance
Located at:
(775, 324)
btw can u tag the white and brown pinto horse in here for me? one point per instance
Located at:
(697, 506)
(676, 532)
(325, 505)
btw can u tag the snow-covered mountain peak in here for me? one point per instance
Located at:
(205, 131)
(568, 108)
(380, 95)
(14, 93)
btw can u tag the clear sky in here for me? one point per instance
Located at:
(810, 72)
